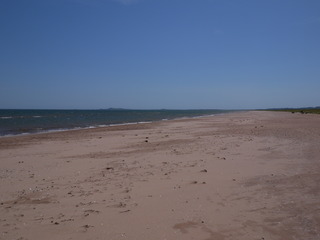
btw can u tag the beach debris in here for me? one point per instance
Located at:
(86, 226)
(120, 205)
(87, 212)
(204, 170)
(125, 211)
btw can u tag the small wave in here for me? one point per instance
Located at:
(14, 134)
(16, 117)
(125, 124)
(203, 116)
(6, 117)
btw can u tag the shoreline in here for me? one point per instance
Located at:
(112, 125)
(240, 175)
(72, 129)
(107, 125)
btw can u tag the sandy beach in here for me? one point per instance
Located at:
(245, 175)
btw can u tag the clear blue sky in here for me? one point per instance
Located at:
(151, 54)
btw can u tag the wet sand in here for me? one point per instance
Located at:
(246, 175)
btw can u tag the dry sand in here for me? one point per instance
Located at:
(248, 175)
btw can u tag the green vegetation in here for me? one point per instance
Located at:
(298, 110)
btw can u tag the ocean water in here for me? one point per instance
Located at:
(15, 122)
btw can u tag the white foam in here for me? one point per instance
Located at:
(6, 117)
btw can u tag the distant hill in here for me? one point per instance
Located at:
(114, 109)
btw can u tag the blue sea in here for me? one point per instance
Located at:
(16, 122)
